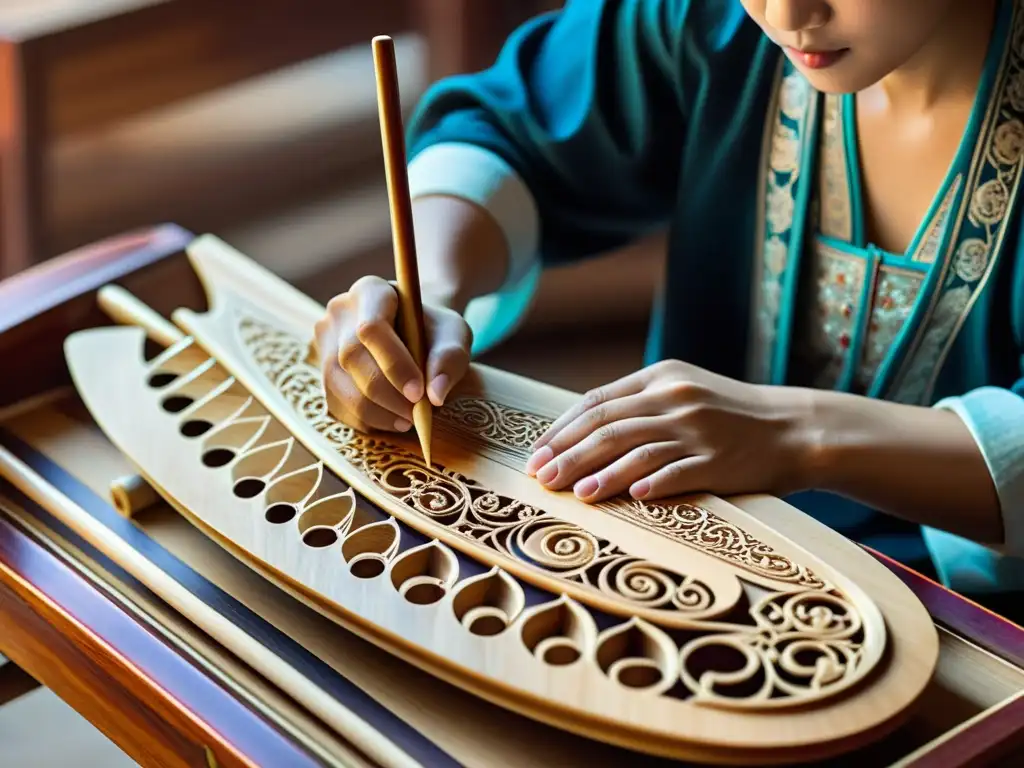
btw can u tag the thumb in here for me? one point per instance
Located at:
(450, 343)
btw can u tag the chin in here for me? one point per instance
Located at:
(843, 77)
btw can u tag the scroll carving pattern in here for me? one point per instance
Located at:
(502, 428)
(508, 526)
(793, 646)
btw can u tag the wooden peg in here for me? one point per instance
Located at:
(122, 307)
(131, 494)
(410, 326)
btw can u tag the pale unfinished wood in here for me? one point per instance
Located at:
(410, 314)
(599, 653)
(969, 682)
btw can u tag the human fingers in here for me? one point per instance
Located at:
(641, 404)
(371, 384)
(628, 385)
(624, 472)
(598, 450)
(376, 310)
(451, 343)
(685, 476)
(347, 403)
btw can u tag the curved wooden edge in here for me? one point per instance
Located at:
(986, 740)
(132, 686)
(41, 306)
(981, 626)
(266, 636)
(47, 285)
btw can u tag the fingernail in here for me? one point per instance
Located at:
(640, 489)
(539, 459)
(586, 487)
(413, 391)
(402, 425)
(440, 386)
(548, 473)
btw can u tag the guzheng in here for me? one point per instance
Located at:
(724, 631)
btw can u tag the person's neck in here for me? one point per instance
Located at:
(947, 67)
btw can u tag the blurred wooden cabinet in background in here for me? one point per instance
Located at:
(256, 120)
(74, 72)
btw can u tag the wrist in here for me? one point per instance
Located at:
(461, 251)
(445, 295)
(807, 423)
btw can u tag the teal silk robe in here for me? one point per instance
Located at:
(611, 118)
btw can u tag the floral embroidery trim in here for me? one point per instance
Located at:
(928, 249)
(829, 331)
(895, 295)
(836, 211)
(985, 213)
(788, 121)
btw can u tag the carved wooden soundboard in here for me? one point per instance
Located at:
(688, 628)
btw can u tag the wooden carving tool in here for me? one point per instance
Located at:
(411, 328)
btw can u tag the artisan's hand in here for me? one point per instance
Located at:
(674, 429)
(370, 377)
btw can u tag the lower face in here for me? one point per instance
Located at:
(845, 46)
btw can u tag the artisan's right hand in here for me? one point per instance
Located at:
(370, 378)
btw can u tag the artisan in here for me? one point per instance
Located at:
(841, 318)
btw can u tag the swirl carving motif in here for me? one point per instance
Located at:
(462, 506)
(507, 526)
(808, 642)
(511, 431)
(494, 424)
(713, 535)
(778, 648)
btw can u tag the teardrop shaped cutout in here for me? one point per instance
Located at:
(559, 632)
(638, 655)
(488, 603)
(424, 574)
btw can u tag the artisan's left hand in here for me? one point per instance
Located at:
(673, 429)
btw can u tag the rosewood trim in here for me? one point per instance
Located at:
(981, 626)
(417, 745)
(101, 641)
(981, 743)
(52, 283)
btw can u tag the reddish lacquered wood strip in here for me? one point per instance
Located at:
(999, 736)
(37, 290)
(979, 625)
(129, 683)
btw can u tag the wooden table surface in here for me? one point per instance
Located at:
(158, 704)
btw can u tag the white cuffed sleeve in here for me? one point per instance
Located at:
(481, 177)
(995, 418)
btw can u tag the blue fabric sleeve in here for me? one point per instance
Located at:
(589, 106)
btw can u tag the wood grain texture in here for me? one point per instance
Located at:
(78, 66)
(410, 314)
(969, 681)
(996, 633)
(121, 678)
(41, 306)
(241, 626)
(149, 281)
(125, 396)
(989, 739)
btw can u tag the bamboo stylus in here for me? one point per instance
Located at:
(410, 315)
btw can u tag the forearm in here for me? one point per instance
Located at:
(461, 251)
(920, 464)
